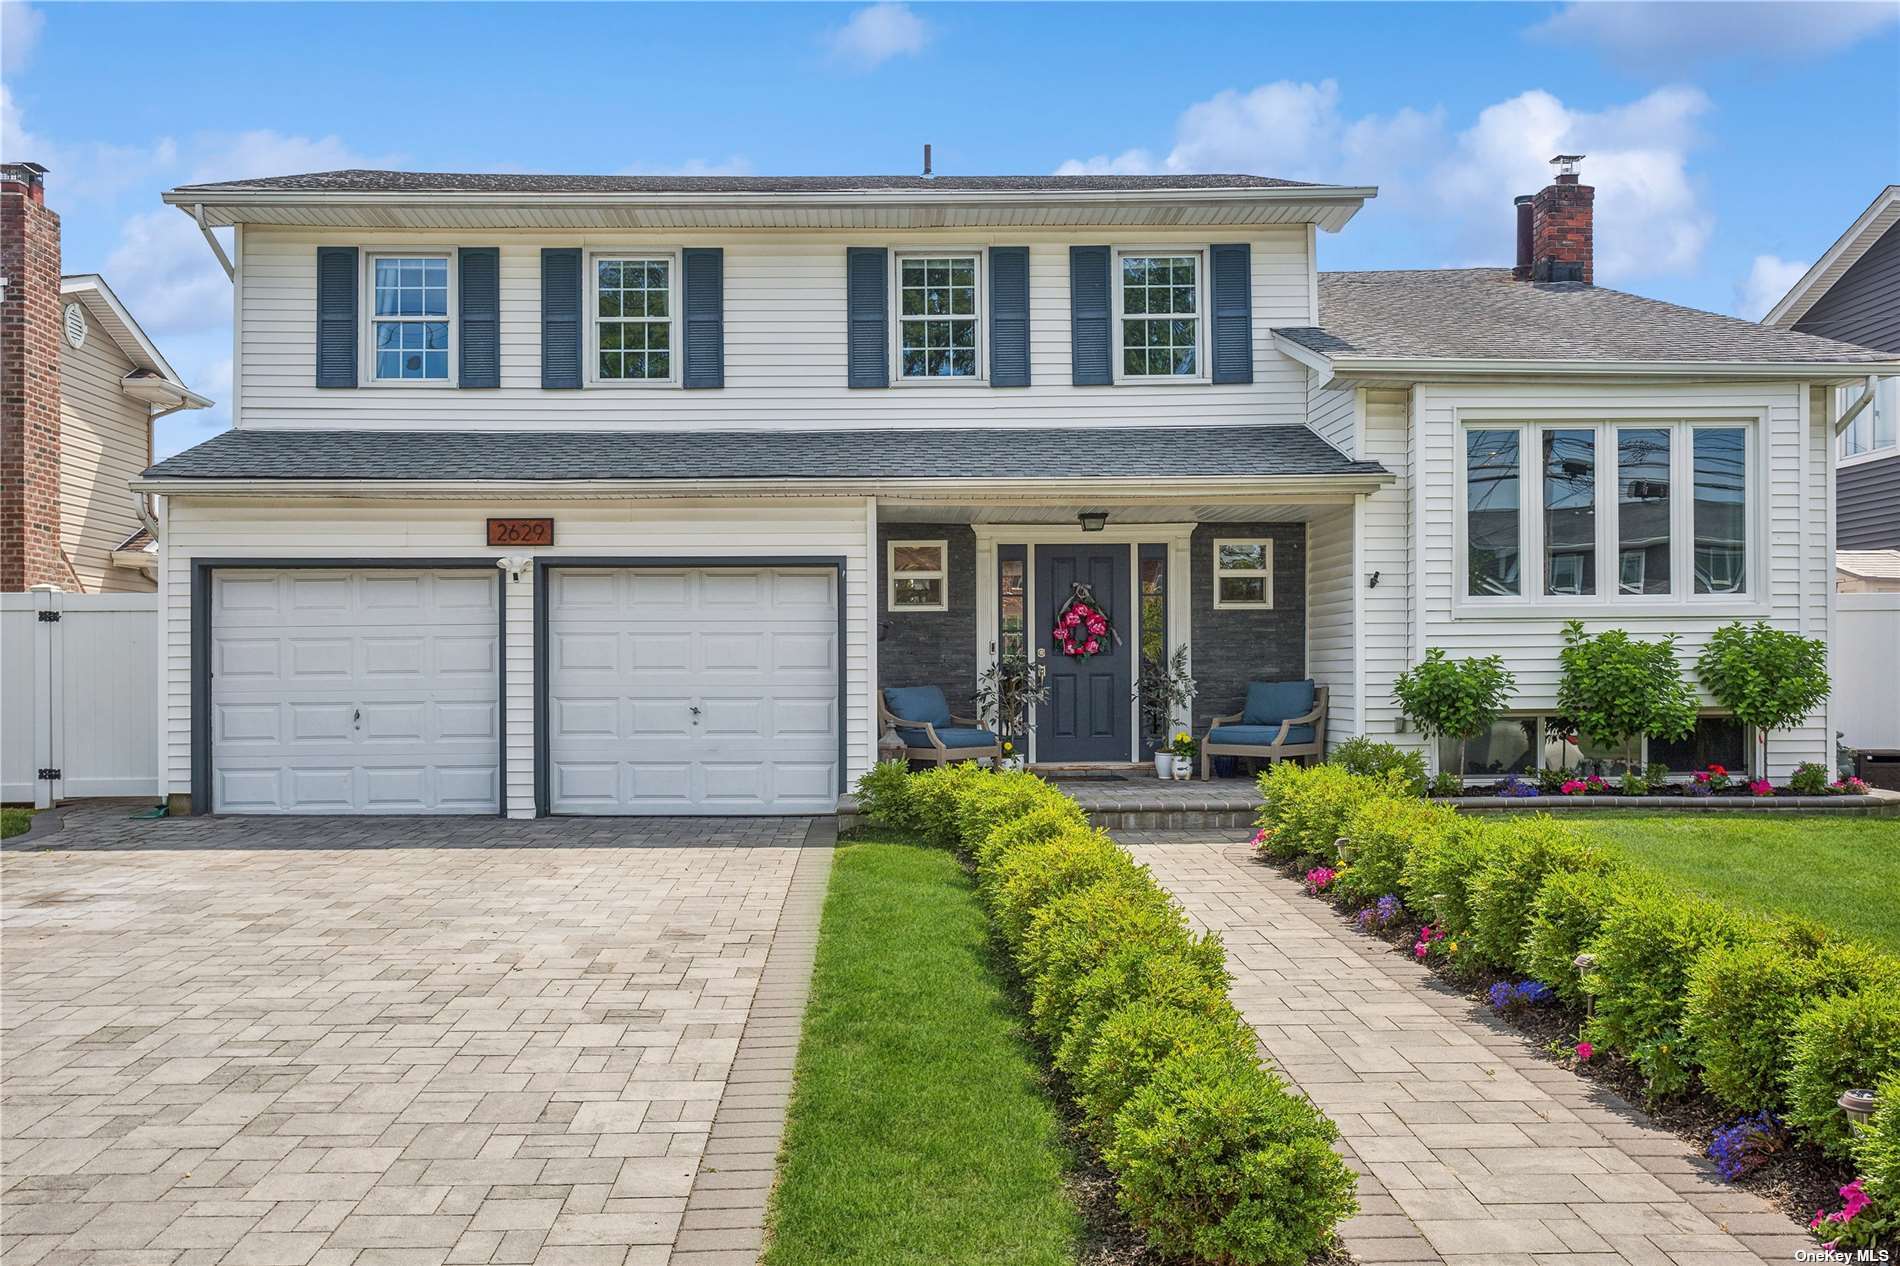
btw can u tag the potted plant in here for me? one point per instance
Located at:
(1186, 748)
(1615, 689)
(1769, 679)
(1454, 698)
(1164, 692)
(1006, 694)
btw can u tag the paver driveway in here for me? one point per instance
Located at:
(226, 1043)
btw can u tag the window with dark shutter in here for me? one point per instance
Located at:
(561, 317)
(1231, 268)
(479, 290)
(867, 309)
(1089, 316)
(1009, 316)
(705, 308)
(337, 335)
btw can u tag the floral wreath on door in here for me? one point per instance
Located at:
(1082, 626)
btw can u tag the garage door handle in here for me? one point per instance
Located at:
(357, 718)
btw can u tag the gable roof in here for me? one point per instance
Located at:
(110, 315)
(1483, 320)
(1882, 214)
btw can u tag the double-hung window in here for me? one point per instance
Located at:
(634, 309)
(1159, 305)
(1243, 575)
(939, 322)
(919, 576)
(1607, 511)
(409, 318)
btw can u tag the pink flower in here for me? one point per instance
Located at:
(1855, 1199)
(1761, 787)
(1097, 625)
(1091, 646)
(1070, 619)
(1585, 1051)
(1062, 634)
(1260, 836)
(1574, 787)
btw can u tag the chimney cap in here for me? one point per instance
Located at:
(1566, 164)
(32, 171)
(1524, 199)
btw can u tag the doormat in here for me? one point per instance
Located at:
(1104, 776)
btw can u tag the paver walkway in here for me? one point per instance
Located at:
(229, 1045)
(1470, 1147)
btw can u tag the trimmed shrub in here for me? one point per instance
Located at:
(999, 798)
(1838, 1044)
(934, 796)
(1053, 817)
(1217, 1162)
(1644, 951)
(1564, 922)
(1877, 1148)
(1306, 810)
(1195, 981)
(1383, 832)
(1744, 998)
(1025, 879)
(1438, 874)
(1068, 936)
(884, 796)
(1370, 758)
(1521, 852)
(1133, 1041)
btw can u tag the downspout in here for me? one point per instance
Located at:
(1853, 410)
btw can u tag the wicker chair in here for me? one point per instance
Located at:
(929, 731)
(1255, 731)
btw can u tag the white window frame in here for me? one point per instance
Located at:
(367, 335)
(1609, 599)
(675, 296)
(1202, 373)
(1541, 728)
(982, 376)
(1886, 404)
(940, 573)
(1220, 573)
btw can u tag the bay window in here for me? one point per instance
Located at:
(1603, 510)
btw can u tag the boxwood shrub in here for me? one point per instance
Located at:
(1306, 809)
(1840, 1044)
(1383, 831)
(1133, 974)
(1564, 921)
(1519, 854)
(1438, 874)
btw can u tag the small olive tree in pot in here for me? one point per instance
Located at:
(1164, 692)
(1007, 693)
(1615, 689)
(1770, 679)
(1454, 698)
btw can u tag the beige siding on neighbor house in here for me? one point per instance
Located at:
(385, 531)
(785, 341)
(105, 439)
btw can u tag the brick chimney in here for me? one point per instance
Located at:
(1562, 229)
(29, 383)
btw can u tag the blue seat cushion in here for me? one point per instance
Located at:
(954, 736)
(1256, 735)
(1271, 702)
(918, 703)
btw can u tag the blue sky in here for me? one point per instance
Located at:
(1730, 143)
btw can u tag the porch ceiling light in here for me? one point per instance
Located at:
(1093, 520)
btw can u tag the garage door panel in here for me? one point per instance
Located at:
(393, 707)
(587, 652)
(754, 649)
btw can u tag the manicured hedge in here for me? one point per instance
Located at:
(1214, 1157)
(1767, 1014)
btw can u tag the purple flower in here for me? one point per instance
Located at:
(1533, 993)
(1747, 1144)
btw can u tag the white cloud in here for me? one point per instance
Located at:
(1769, 278)
(877, 33)
(86, 171)
(20, 27)
(1456, 188)
(1663, 34)
(234, 156)
(165, 272)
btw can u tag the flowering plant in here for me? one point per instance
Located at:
(1849, 786)
(1381, 914)
(1516, 788)
(1429, 936)
(1591, 786)
(1761, 787)
(1858, 1223)
(1319, 879)
(1747, 1145)
(1506, 996)
(1584, 1052)
(1185, 746)
(1714, 778)
(1081, 628)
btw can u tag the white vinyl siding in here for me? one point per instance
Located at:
(391, 530)
(1332, 586)
(1333, 413)
(105, 439)
(784, 343)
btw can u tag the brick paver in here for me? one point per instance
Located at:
(1469, 1147)
(373, 1042)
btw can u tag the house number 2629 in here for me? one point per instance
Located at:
(521, 531)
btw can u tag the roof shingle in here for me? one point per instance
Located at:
(363, 180)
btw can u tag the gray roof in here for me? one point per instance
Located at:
(360, 180)
(987, 453)
(1485, 314)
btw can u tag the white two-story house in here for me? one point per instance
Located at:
(626, 495)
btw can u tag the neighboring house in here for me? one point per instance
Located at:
(1853, 293)
(1867, 570)
(555, 494)
(82, 384)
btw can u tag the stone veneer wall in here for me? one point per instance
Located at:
(1232, 648)
(930, 648)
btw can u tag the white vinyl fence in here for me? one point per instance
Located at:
(1867, 669)
(78, 696)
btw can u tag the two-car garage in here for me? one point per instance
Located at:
(332, 688)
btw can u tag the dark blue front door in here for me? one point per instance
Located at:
(1089, 713)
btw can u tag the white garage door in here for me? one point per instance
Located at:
(374, 691)
(709, 691)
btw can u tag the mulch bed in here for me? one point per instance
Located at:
(1797, 1180)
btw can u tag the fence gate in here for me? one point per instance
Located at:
(78, 696)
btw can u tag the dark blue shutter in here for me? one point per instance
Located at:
(1089, 317)
(867, 316)
(561, 316)
(705, 307)
(337, 337)
(478, 361)
(1009, 316)
(1232, 267)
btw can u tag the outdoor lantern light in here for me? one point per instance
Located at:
(1093, 520)
(1859, 1107)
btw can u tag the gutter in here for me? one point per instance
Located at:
(1853, 411)
(1414, 369)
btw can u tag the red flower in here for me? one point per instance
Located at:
(1062, 634)
(1091, 646)
(1097, 625)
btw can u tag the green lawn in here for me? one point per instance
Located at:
(919, 1129)
(14, 822)
(1843, 872)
